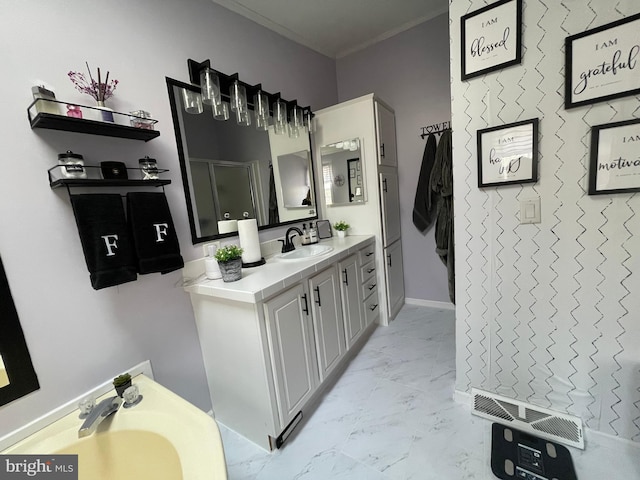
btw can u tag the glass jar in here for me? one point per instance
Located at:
(46, 100)
(72, 165)
(141, 119)
(149, 168)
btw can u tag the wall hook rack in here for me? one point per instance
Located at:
(435, 129)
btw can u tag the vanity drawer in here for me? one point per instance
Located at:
(369, 269)
(371, 306)
(369, 285)
(367, 254)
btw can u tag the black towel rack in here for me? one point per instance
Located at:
(435, 129)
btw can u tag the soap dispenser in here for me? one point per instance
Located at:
(211, 267)
(313, 233)
(305, 235)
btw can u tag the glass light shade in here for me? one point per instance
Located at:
(238, 97)
(261, 110)
(279, 117)
(192, 101)
(309, 122)
(243, 117)
(295, 122)
(220, 111)
(210, 85)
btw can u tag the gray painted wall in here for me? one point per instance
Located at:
(410, 72)
(79, 337)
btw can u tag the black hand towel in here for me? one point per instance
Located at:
(105, 239)
(154, 236)
(423, 205)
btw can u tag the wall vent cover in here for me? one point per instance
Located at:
(529, 418)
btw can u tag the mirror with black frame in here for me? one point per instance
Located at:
(343, 173)
(232, 171)
(17, 375)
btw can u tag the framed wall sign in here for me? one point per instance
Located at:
(615, 158)
(603, 63)
(491, 38)
(508, 154)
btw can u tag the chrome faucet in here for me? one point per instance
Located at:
(101, 411)
(287, 243)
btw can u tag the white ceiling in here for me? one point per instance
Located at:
(337, 28)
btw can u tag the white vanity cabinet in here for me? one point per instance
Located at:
(272, 341)
(292, 348)
(372, 123)
(351, 298)
(327, 317)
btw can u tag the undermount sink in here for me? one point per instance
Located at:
(305, 251)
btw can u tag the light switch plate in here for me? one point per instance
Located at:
(530, 210)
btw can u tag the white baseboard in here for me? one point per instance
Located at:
(430, 303)
(463, 398)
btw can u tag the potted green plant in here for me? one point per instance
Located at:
(121, 383)
(341, 227)
(229, 259)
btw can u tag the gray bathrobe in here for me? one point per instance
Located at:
(441, 183)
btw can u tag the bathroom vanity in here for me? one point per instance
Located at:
(275, 339)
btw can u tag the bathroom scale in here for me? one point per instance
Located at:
(519, 455)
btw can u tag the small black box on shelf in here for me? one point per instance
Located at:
(113, 170)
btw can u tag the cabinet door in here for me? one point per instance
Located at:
(386, 130)
(394, 277)
(351, 299)
(327, 319)
(292, 350)
(390, 197)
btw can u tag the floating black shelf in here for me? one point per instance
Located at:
(40, 116)
(80, 125)
(98, 182)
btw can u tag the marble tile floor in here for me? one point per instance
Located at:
(391, 415)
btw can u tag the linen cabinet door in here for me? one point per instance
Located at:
(351, 299)
(293, 355)
(386, 131)
(394, 277)
(327, 320)
(390, 199)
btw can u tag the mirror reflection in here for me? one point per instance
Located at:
(232, 171)
(4, 378)
(343, 173)
(17, 376)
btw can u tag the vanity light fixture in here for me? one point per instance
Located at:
(217, 87)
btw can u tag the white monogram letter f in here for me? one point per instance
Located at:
(110, 243)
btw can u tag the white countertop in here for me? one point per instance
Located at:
(259, 283)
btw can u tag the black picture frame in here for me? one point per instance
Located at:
(487, 32)
(614, 165)
(13, 347)
(508, 154)
(598, 63)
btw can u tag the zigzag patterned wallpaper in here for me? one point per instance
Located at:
(547, 313)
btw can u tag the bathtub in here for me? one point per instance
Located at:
(163, 437)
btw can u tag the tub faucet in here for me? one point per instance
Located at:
(287, 243)
(101, 411)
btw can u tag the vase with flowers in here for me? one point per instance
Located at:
(100, 89)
